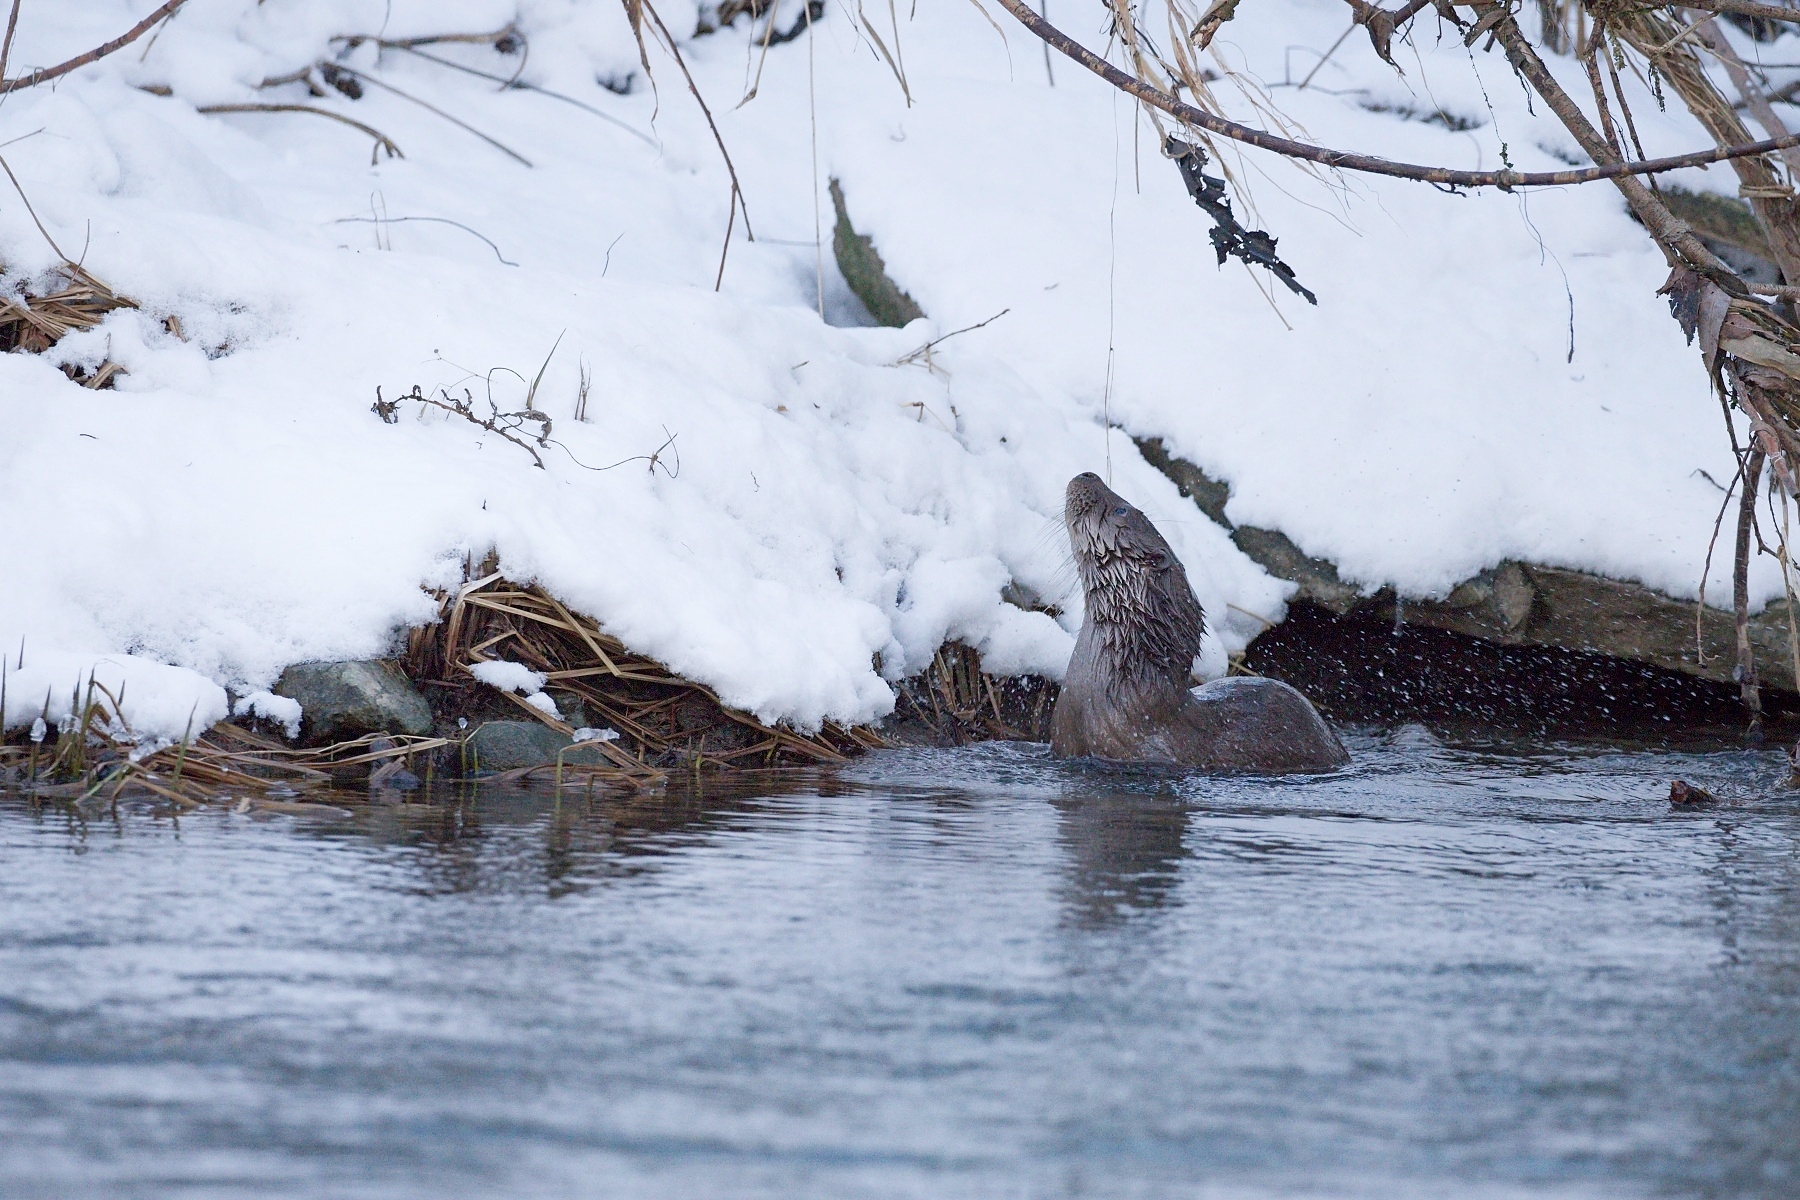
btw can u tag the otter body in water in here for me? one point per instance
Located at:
(1126, 695)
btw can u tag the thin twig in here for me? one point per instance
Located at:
(382, 140)
(924, 352)
(436, 220)
(521, 85)
(131, 35)
(460, 124)
(1326, 57)
(5, 166)
(1746, 8)
(1706, 569)
(436, 39)
(507, 425)
(12, 23)
(1740, 587)
(737, 191)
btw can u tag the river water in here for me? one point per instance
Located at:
(1481, 970)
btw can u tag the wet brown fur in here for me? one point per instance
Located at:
(1126, 694)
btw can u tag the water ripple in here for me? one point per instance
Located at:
(1482, 969)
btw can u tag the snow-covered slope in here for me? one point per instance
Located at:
(819, 515)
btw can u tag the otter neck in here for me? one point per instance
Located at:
(1128, 659)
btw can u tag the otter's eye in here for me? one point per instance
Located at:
(1121, 511)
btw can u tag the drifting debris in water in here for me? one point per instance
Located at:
(1685, 795)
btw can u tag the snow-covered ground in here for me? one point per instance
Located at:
(798, 516)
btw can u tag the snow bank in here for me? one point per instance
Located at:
(157, 701)
(780, 508)
(1486, 376)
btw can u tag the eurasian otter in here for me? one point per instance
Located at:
(1126, 695)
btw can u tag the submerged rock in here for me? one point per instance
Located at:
(509, 745)
(1683, 792)
(342, 700)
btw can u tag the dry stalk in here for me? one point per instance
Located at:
(382, 140)
(663, 720)
(635, 11)
(45, 74)
(33, 324)
(1343, 160)
(963, 703)
(96, 756)
(1740, 595)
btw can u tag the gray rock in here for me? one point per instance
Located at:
(1519, 604)
(344, 700)
(1271, 549)
(1190, 480)
(509, 745)
(571, 708)
(1573, 610)
(1505, 596)
(1318, 579)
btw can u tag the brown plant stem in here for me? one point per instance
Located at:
(131, 35)
(382, 140)
(737, 191)
(1752, 96)
(1746, 8)
(12, 23)
(1670, 50)
(1740, 596)
(1369, 164)
(1670, 233)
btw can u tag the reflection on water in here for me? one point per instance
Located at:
(1123, 852)
(1446, 971)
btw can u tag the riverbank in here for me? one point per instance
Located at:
(334, 385)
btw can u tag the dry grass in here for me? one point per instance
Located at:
(32, 324)
(91, 760)
(961, 703)
(664, 722)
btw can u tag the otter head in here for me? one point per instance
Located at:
(1139, 604)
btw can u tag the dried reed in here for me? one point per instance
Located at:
(663, 720)
(94, 759)
(961, 703)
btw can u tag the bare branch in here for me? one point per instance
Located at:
(382, 140)
(737, 191)
(1675, 237)
(98, 52)
(1368, 164)
(458, 122)
(1746, 8)
(12, 23)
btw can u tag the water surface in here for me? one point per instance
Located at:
(1483, 971)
